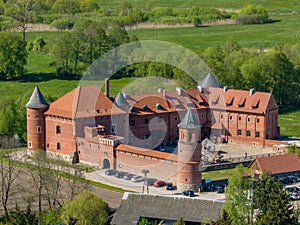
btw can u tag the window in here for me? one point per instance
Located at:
(29, 144)
(240, 118)
(257, 134)
(48, 145)
(239, 132)
(132, 122)
(248, 133)
(58, 146)
(202, 115)
(221, 116)
(113, 128)
(230, 117)
(175, 118)
(38, 129)
(146, 121)
(58, 129)
(257, 120)
(146, 135)
(248, 119)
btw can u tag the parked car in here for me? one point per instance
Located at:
(219, 189)
(170, 187)
(159, 183)
(189, 193)
(136, 178)
(119, 174)
(110, 172)
(127, 176)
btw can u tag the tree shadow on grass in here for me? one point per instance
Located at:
(284, 109)
(34, 77)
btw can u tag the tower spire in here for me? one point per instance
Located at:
(36, 100)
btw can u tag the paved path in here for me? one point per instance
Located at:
(100, 176)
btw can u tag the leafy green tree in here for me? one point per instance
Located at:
(236, 204)
(20, 217)
(66, 7)
(272, 203)
(13, 56)
(180, 221)
(224, 220)
(86, 208)
(22, 11)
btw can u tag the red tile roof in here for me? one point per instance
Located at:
(84, 101)
(278, 164)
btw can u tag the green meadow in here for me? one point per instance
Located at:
(41, 68)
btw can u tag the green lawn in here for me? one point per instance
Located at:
(233, 4)
(289, 121)
(221, 174)
(252, 36)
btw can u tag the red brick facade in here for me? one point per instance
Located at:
(70, 126)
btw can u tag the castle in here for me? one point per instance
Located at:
(122, 133)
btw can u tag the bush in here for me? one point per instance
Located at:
(63, 24)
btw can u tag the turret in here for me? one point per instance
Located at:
(189, 152)
(36, 107)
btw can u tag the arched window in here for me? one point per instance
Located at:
(58, 146)
(58, 129)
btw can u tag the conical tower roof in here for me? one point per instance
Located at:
(37, 100)
(189, 121)
(120, 100)
(210, 81)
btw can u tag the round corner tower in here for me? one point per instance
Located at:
(189, 153)
(36, 107)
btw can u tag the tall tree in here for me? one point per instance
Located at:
(272, 203)
(13, 56)
(23, 12)
(236, 204)
(86, 208)
(8, 172)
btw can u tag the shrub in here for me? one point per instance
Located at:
(63, 24)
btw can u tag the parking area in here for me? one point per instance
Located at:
(136, 184)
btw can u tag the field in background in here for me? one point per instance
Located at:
(233, 4)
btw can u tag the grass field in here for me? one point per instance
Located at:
(251, 36)
(289, 121)
(233, 4)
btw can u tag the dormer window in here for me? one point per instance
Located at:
(229, 101)
(255, 104)
(241, 102)
(145, 108)
(131, 109)
(216, 101)
(158, 106)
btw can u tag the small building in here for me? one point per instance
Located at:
(277, 165)
(167, 208)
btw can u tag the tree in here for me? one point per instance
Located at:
(86, 208)
(8, 172)
(22, 217)
(224, 220)
(236, 204)
(272, 203)
(13, 56)
(180, 221)
(22, 11)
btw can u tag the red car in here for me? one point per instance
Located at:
(159, 183)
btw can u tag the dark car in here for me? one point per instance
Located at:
(110, 172)
(119, 174)
(127, 176)
(169, 187)
(189, 193)
(219, 189)
(159, 183)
